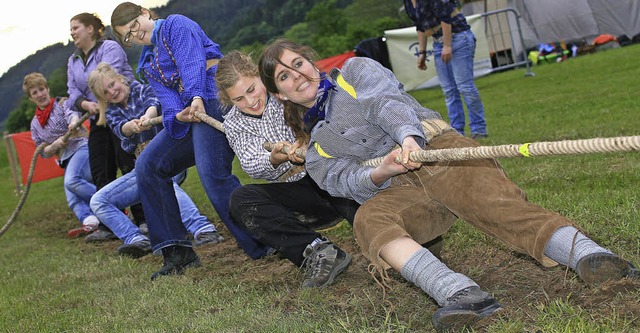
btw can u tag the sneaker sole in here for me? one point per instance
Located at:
(457, 320)
(340, 267)
(598, 269)
(77, 233)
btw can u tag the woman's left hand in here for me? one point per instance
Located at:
(446, 54)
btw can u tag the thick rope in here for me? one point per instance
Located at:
(565, 147)
(32, 168)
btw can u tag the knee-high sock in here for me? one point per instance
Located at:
(559, 246)
(434, 277)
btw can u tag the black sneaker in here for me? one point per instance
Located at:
(597, 268)
(100, 236)
(135, 250)
(463, 309)
(322, 263)
(176, 260)
(208, 238)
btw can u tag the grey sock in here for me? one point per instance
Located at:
(559, 246)
(434, 277)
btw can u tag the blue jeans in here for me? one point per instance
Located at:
(164, 157)
(123, 192)
(456, 78)
(78, 186)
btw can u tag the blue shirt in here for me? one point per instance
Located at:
(429, 14)
(177, 69)
(141, 97)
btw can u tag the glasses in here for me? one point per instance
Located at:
(133, 28)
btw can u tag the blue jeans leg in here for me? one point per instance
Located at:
(459, 73)
(163, 158)
(78, 187)
(108, 202)
(455, 109)
(191, 217)
(213, 158)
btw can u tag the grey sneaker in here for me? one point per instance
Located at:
(135, 250)
(207, 238)
(322, 263)
(463, 309)
(100, 236)
(144, 229)
(597, 268)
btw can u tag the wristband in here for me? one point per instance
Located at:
(422, 52)
(196, 97)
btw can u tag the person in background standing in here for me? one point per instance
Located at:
(179, 62)
(105, 153)
(454, 46)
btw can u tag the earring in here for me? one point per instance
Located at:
(285, 99)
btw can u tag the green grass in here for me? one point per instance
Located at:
(51, 284)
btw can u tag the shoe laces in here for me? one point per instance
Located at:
(315, 258)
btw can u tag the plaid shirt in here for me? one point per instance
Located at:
(430, 13)
(363, 122)
(140, 99)
(247, 133)
(57, 125)
(180, 53)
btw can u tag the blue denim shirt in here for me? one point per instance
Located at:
(430, 13)
(78, 70)
(179, 58)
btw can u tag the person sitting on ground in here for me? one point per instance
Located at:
(285, 212)
(362, 112)
(128, 105)
(52, 120)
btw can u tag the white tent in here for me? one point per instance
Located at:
(548, 21)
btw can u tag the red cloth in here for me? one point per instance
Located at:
(46, 168)
(604, 39)
(43, 115)
(325, 65)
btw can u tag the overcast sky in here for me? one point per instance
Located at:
(27, 26)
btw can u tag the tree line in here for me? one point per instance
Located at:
(331, 27)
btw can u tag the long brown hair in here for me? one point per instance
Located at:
(124, 13)
(88, 19)
(270, 58)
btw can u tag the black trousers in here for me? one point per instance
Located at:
(106, 156)
(286, 215)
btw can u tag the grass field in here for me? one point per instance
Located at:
(49, 283)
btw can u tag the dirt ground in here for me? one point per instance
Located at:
(518, 282)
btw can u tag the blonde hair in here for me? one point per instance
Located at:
(231, 68)
(96, 78)
(33, 80)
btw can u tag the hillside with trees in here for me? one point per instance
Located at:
(330, 26)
